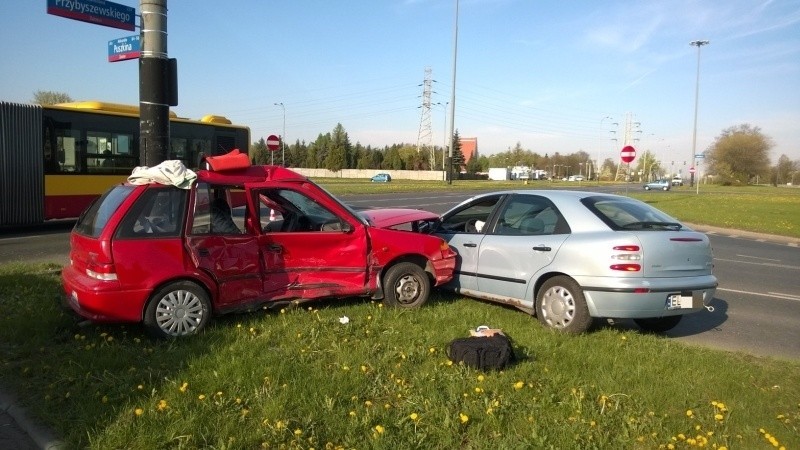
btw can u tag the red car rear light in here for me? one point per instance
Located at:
(626, 254)
(100, 270)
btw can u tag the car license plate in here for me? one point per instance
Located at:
(685, 300)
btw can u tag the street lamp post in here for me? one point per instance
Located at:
(697, 44)
(283, 137)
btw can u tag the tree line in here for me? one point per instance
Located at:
(738, 156)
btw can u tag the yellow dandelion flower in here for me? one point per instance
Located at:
(449, 363)
(367, 403)
(519, 385)
(413, 416)
(201, 397)
(478, 390)
(432, 350)
(298, 432)
(480, 378)
(592, 423)
(162, 405)
(138, 411)
(184, 386)
(140, 387)
(463, 417)
(352, 413)
(280, 425)
(624, 338)
(379, 429)
(718, 417)
(689, 413)
(363, 368)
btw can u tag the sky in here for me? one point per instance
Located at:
(553, 76)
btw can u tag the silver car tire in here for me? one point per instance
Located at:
(177, 310)
(560, 305)
(406, 285)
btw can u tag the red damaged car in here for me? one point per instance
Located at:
(216, 241)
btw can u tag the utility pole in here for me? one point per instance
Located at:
(157, 84)
(425, 134)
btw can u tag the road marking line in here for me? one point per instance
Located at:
(768, 294)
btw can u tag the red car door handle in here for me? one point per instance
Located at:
(275, 248)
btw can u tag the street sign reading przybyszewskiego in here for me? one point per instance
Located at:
(99, 12)
(124, 48)
(627, 154)
(273, 143)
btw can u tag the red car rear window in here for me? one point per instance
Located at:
(96, 216)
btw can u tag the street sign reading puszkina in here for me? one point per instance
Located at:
(627, 154)
(124, 48)
(99, 12)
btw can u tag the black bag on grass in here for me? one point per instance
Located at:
(482, 352)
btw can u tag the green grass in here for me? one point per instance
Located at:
(763, 209)
(301, 379)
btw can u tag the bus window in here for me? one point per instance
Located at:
(179, 150)
(66, 142)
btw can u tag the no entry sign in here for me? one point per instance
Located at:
(627, 154)
(273, 143)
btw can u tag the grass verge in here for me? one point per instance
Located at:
(299, 378)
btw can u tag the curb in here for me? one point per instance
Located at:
(734, 233)
(43, 437)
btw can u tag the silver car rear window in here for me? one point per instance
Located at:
(622, 213)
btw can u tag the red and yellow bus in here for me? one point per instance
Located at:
(56, 159)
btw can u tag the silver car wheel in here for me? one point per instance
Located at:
(179, 313)
(558, 307)
(178, 309)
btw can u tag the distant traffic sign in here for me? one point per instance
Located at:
(691, 169)
(273, 143)
(100, 12)
(627, 154)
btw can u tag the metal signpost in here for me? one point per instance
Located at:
(627, 155)
(273, 144)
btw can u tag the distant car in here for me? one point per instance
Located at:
(381, 178)
(662, 185)
(172, 257)
(677, 181)
(575, 178)
(568, 257)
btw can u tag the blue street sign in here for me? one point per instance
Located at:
(99, 12)
(124, 48)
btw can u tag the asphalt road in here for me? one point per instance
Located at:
(756, 307)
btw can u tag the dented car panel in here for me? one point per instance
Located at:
(241, 239)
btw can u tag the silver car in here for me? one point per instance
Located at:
(569, 257)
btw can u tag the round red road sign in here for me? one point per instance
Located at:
(691, 169)
(273, 143)
(627, 154)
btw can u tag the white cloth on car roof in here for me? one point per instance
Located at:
(171, 172)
